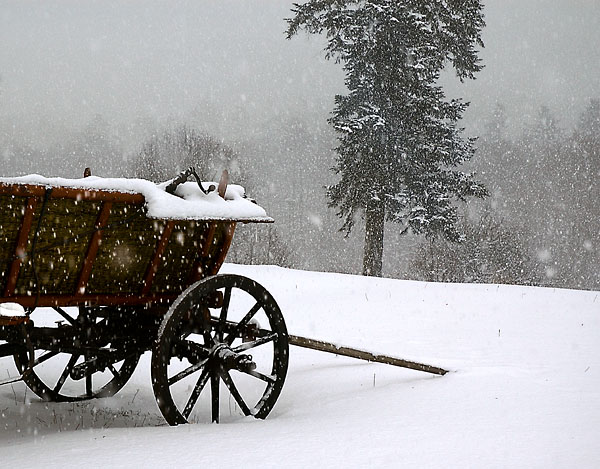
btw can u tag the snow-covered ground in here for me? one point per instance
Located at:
(523, 391)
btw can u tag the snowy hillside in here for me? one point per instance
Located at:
(523, 391)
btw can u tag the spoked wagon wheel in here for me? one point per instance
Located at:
(226, 335)
(16, 336)
(71, 365)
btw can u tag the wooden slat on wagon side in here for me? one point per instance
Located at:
(12, 212)
(62, 238)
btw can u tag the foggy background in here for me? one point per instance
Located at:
(89, 83)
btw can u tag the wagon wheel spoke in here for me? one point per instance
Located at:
(65, 373)
(255, 343)
(205, 321)
(188, 371)
(223, 317)
(235, 332)
(44, 357)
(114, 372)
(88, 378)
(189, 350)
(235, 392)
(66, 316)
(266, 378)
(202, 380)
(214, 393)
(40, 378)
(88, 384)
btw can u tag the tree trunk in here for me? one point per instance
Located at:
(374, 222)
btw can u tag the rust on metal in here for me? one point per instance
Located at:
(157, 257)
(20, 249)
(92, 251)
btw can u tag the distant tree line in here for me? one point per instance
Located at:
(542, 216)
(543, 211)
(491, 251)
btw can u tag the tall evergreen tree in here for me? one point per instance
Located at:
(587, 137)
(399, 143)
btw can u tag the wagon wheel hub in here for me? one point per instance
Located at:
(230, 360)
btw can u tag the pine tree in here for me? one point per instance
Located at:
(587, 137)
(399, 142)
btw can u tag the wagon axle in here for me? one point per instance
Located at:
(230, 360)
(98, 364)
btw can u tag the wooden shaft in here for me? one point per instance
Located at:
(157, 257)
(93, 247)
(321, 346)
(21, 247)
(210, 237)
(225, 243)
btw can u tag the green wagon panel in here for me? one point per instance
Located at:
(60, 247)
(127, 245)
(12, 210)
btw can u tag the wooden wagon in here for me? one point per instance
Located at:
(142, 280)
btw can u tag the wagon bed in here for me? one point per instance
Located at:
(66, 246)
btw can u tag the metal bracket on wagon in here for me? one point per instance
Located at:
(183, 177)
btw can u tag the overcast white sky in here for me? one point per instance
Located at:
(63, 62)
